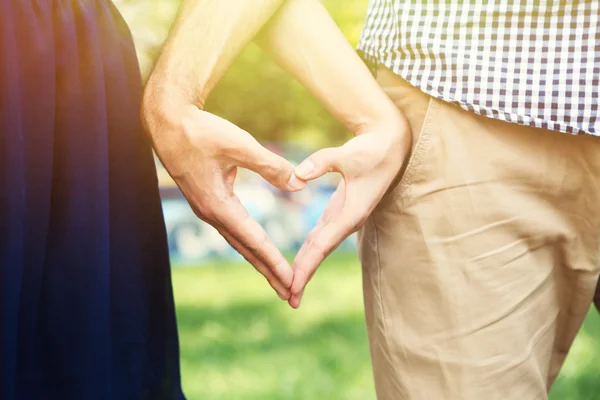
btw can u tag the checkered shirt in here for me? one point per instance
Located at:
(531, 62)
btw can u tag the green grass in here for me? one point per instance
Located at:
(240, 341)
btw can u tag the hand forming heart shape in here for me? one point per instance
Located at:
(202, 153)
(368, 164)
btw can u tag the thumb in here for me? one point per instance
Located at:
(273, 168)
(320, 163)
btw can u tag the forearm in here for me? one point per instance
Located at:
(206, 37)
(306, 42)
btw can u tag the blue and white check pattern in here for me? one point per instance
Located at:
(532, 62)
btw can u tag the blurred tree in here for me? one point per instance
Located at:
(255, 93)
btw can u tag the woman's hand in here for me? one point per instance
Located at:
(368, 164)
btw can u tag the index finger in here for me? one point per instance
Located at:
(313, 253)
(282, 292)
(333, 227)
(235, 220)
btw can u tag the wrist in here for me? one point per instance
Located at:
(163, 116)
(166, 88)
(391, 132)
(392, 122)
(379, 112)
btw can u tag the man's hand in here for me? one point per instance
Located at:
(202, 153)
(368, 164)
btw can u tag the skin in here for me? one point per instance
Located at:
(202, 152)
(305, 41)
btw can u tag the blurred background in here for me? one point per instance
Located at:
(238, 340)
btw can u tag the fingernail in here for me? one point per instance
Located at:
(295, 183)
(304, 169)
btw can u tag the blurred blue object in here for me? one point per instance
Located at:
(286, 219)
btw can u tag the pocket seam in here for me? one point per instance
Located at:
(420, 150)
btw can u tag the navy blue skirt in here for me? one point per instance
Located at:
(86, 303)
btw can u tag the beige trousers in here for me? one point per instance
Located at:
(481, 261)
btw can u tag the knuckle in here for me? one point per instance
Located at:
(209, 209)
(201, 213)
(277, 172)
(206, 212)
(274, 170)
